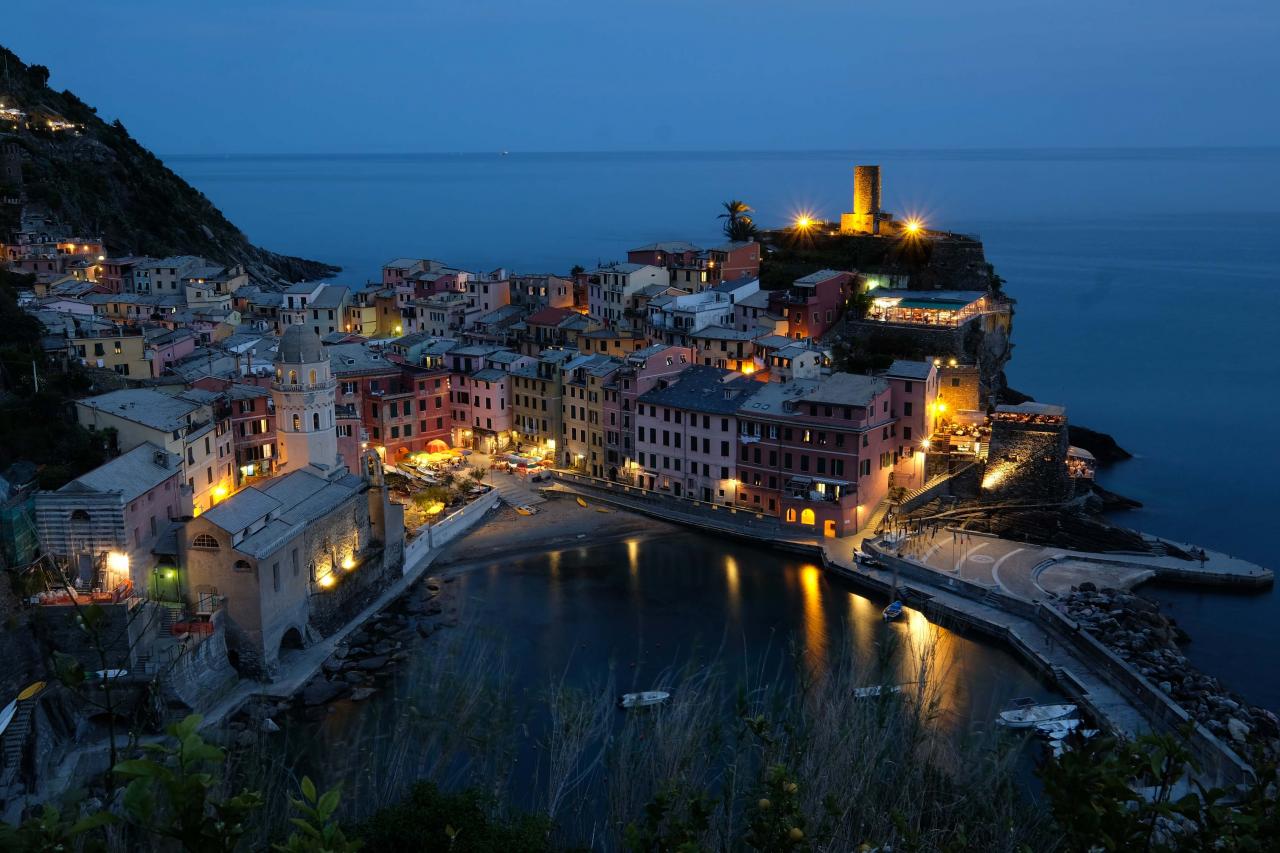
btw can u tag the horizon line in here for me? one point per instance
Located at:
(1056, 149)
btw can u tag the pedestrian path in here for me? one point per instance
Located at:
(514, 489)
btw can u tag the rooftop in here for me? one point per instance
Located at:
(145, 406)
(700, 388)
(130, 474)
(903, 369)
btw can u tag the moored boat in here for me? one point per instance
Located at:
(876, 690)
(644, 699)
(1055, 729)
(581, 502)
(6, 715)
(1027, 713)
(893, 611)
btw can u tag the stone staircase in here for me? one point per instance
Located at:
(15, 739)
(514, 491)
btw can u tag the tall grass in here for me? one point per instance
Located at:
(884, 770)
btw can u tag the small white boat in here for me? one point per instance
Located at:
(1057, 729)
(876, 690)
(1060, 745)
(643, 700)
(1027, 713)
(104, 674)
(6, 715)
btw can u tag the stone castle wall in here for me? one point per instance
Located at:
(1027, 462)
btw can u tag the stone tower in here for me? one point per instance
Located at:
(303, 392)
(866, 215)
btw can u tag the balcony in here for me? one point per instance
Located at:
(816, 489)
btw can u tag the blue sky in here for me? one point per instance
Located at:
(331, 76)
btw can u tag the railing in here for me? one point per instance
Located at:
(722, 513)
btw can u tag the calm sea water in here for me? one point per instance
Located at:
(639, 612)
(1147, 286)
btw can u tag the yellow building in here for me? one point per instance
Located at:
(123, 351)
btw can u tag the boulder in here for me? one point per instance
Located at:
(362, 693)
(268, 725)
(376, 662)
(320, 691)
(1238, 729)
(332, 665)
(353, 677)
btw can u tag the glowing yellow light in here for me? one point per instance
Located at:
(951, 363)
(803, 222)
(924, 442)
(118, 563)
(435, 508)
(914, 226)
(748, 368)
(348, 563)
(942, 407)
(219, 493)
(326, 581)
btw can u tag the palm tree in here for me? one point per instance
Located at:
(738, 225)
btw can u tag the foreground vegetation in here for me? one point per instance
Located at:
(773, 760)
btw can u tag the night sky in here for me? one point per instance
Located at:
(331, 76)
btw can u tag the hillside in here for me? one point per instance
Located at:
(99, 181)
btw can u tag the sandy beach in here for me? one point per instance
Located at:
(559, 523)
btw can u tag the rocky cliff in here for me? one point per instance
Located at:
(97, 180)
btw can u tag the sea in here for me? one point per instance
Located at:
(1147, 285)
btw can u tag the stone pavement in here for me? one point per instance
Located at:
(1036, 572)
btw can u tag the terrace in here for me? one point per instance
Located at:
(946, 309)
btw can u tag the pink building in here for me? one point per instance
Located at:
(686, 434)
(121, 507)
(817, 454)
(915, 393)
(813, 304)
(166, 347)
(399, 271)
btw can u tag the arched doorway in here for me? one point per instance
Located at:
(291, 640)
(807, 516)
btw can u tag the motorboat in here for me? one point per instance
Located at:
(644, 699)
(6, 715)
(1058, 729)
(111, 674)
(875, 690)
(581, 502)
(1027, 713)
(893, 611)
(525, 510)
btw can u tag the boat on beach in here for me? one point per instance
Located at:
(874, 690)
(893, 611)
(644, 699)
(581, 502)
(1026, 712)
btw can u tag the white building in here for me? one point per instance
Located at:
(611, 288)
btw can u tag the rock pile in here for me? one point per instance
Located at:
(1133, 628)
(371, 653)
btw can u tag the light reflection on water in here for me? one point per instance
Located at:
(643, 608)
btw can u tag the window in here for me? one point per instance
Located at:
(297, 423)
(205, 541)
(806, 516)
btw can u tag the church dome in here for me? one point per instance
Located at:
(299, 345)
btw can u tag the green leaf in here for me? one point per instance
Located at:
(142, 767)
(328, 803)
(92, 821)
(308, 789)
